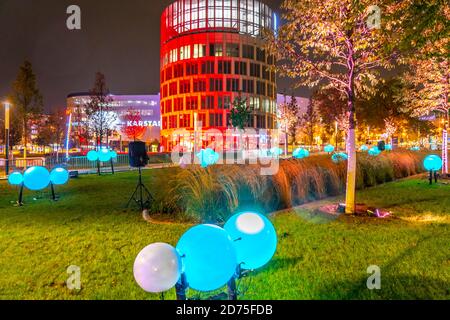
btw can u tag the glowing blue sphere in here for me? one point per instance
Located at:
(104, 155)
(92, 155)
(388, 147)
(329, 148)
(59, 176)
(339, 157)
(416, 148)
(36, 178)
(276, 151)
(374, 151)
(113, 154)
(300, 153)
(208, 157)
(208, 256)
(432, 162)
(364, 148)
(254, 237)
(15, 179)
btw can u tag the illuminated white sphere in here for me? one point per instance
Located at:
(157, 268)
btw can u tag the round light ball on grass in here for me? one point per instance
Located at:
(15, 179)
(92, 155)
(104, 155)
(254, 237)
(329, 148)
(432, 162)
(36, 178)
(157, 268)
(59, 176)
(300, 153)
(374, 152)
(208, 256)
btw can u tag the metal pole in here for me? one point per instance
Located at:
(7, 138)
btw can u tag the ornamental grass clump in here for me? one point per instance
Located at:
(213, 194)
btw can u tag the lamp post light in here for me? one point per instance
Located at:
(7, 108)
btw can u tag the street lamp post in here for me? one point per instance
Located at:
(7, 107)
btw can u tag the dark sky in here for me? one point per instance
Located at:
(118, 37)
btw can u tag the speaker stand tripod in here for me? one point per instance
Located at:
(141, 195)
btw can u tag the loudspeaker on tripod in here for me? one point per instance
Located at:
(137, 154)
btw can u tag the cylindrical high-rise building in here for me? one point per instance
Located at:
(212, 51)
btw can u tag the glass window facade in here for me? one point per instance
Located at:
(212, 52)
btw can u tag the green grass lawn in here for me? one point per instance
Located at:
(317, 258)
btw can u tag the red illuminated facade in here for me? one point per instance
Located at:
(212, 51)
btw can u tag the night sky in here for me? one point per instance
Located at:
(118, 37)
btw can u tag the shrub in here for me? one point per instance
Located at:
(213, 194)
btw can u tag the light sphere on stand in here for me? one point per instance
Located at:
(329, 148)
(104, 155)
(157, 268)
(339, 157)
(36, 178)
(92, 155)
(364, 148)
(432, 162)
(388, 147)
(59, 176)
(374, 151)
(113, 154)
(254, 237)
(300, 153)
(276, 151)
(208, 256)
(15, 179)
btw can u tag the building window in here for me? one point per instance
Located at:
(248, 86)
(255, 70)
(178, 71)
(173, 55)
(185, 86)
(185, 121)
(201, 117)
(199, 51)
(261, 88)
(208, 67)
(233, 85)
(224, 102)
(173, 90)
(208, 102)
(178, 104)
(215, 85)
(169, 73)
(216, 50)
(185, 52)
(191, 69)
(248, 52)
(232, 50)
(224, 67)
(254, 103)
(215, 119)
(199, 85)
(172, 122)
(240, 68)
(191, 103)
(260, 55)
